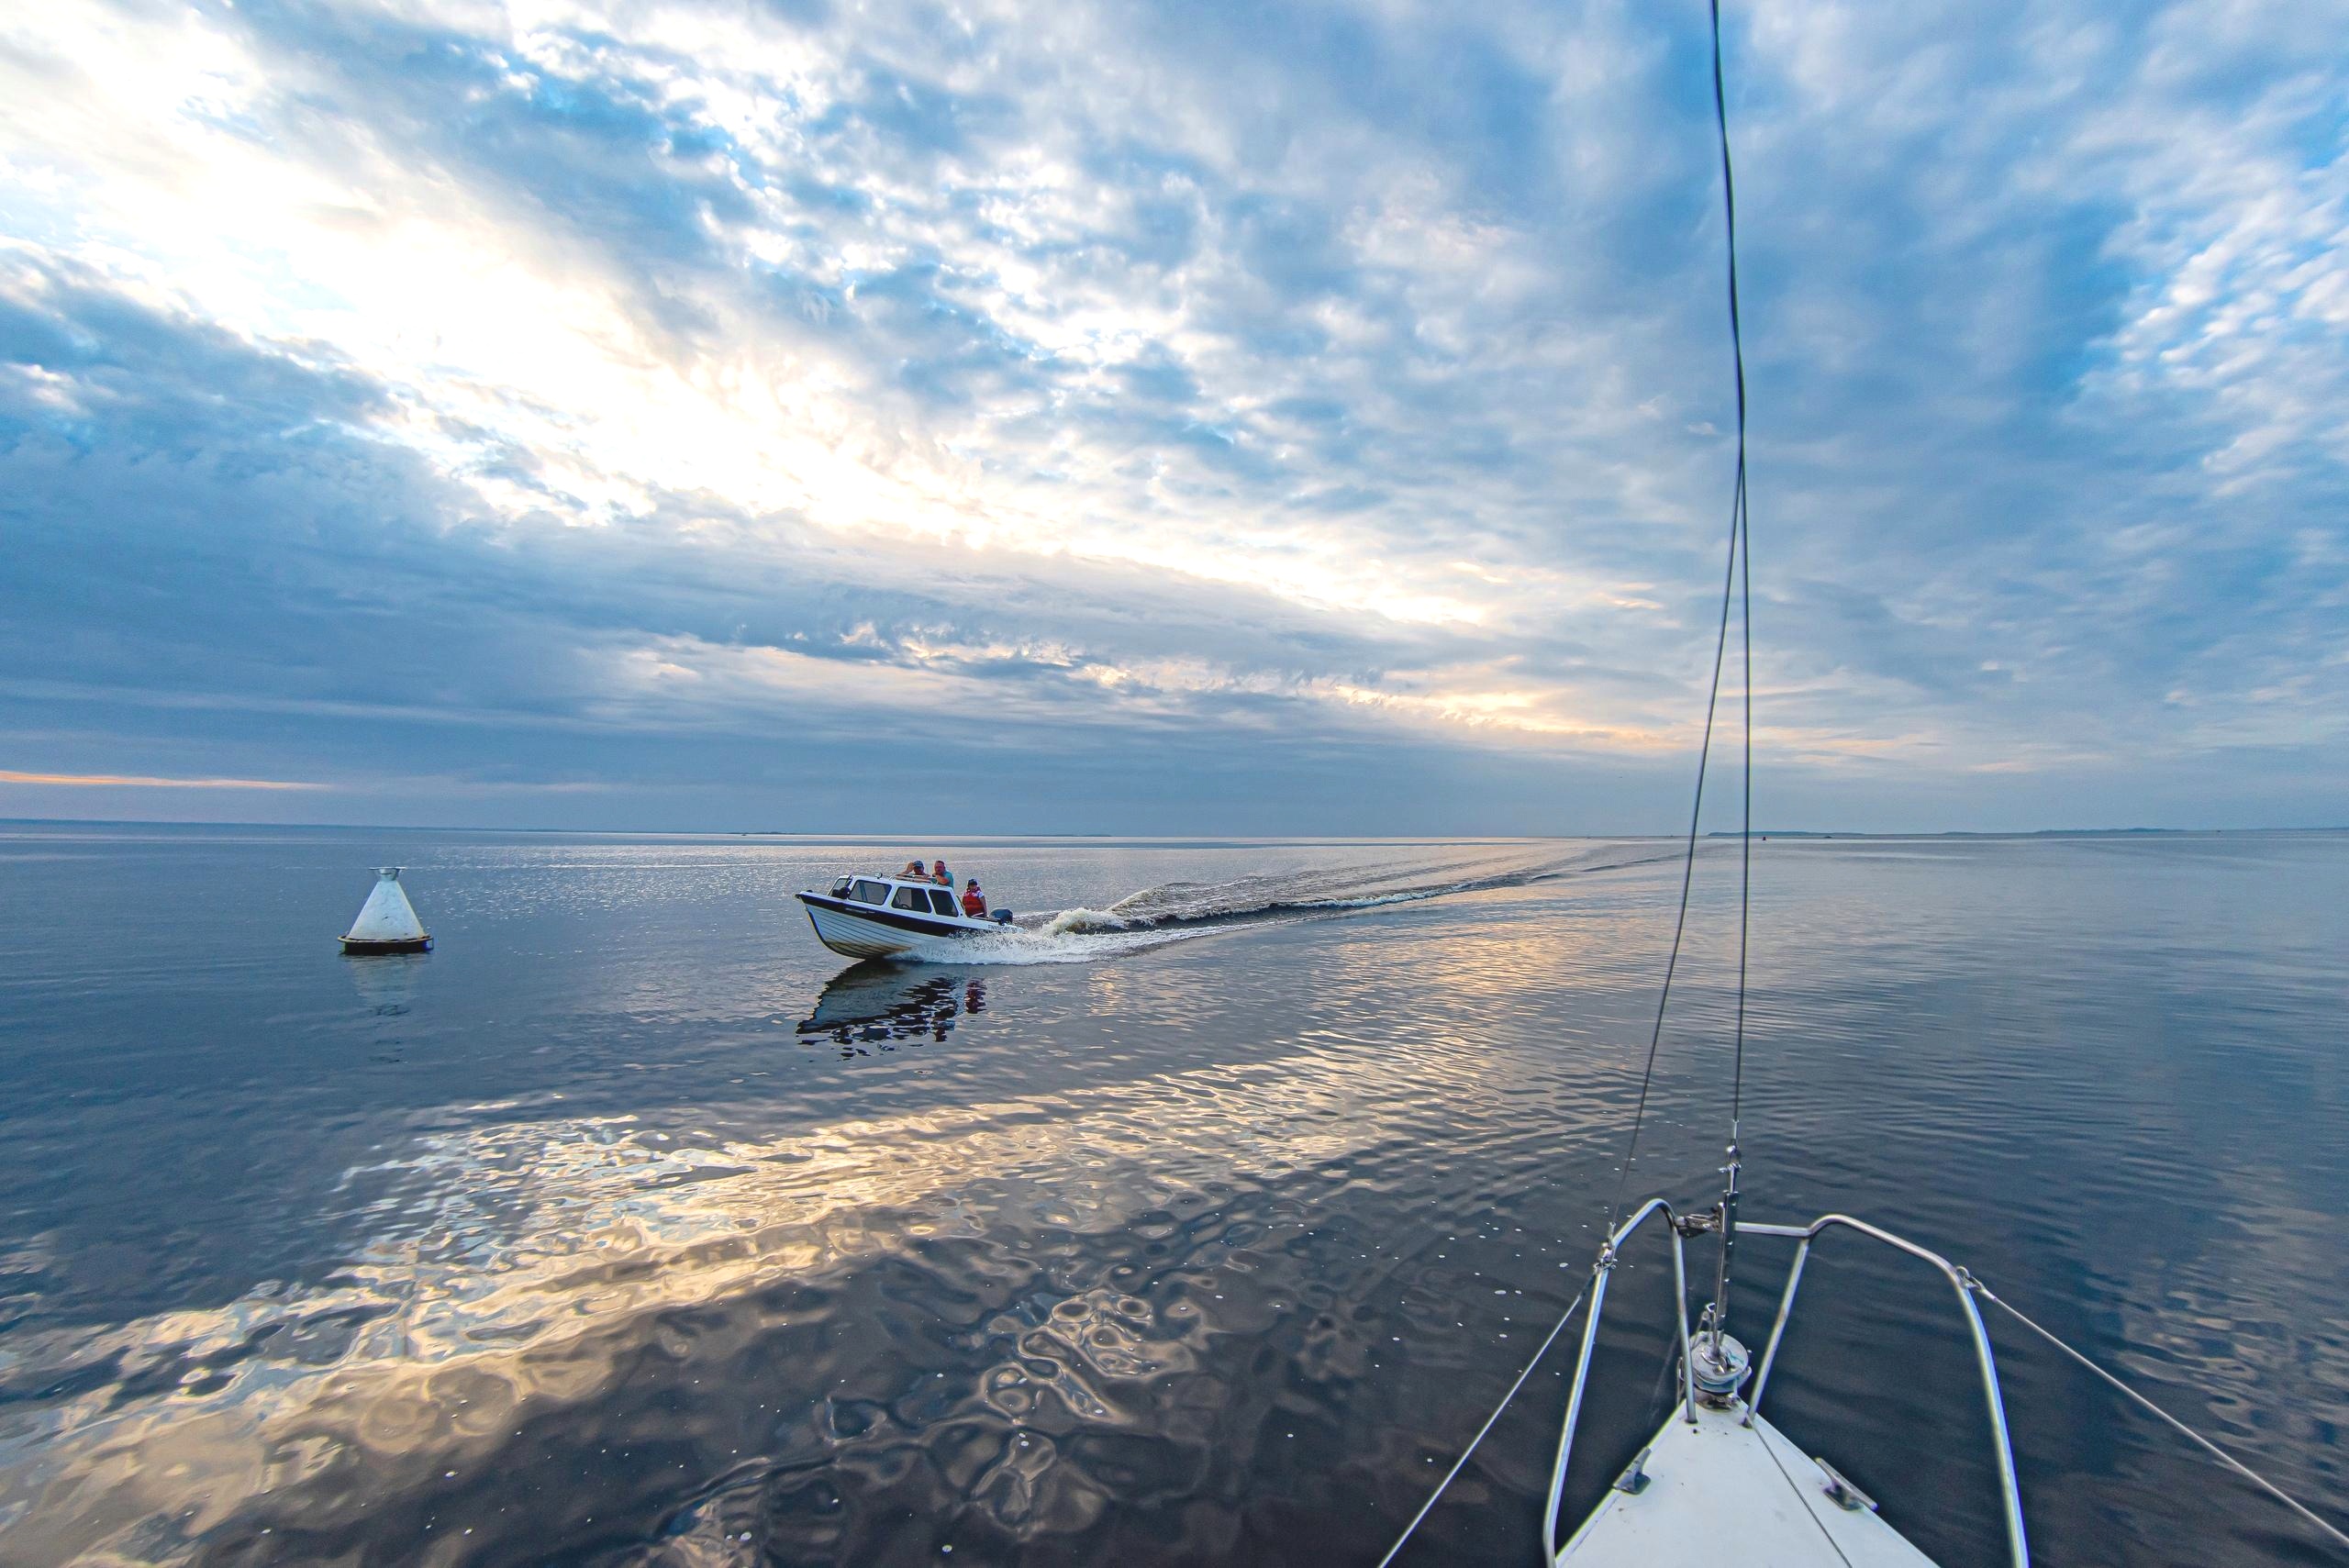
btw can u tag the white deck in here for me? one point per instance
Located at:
(1720, 1492)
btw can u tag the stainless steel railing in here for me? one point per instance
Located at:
(2019, 1550)
(1600, 1273)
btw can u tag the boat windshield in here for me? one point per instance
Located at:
(870, 892)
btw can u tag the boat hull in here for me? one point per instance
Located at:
(865, 931)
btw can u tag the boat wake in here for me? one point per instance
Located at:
(1177, 911)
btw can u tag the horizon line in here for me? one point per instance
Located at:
(914, 835)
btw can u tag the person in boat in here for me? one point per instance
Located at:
(974, 903)
(940, 874)
(915, 869)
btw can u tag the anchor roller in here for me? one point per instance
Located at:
(1719, 1368)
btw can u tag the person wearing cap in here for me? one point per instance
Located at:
(974, 903)
(915, 869)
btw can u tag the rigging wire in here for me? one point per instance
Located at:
(1572, 1307)
(1736, 583)
(1687, 872)
(1744, 510)
(2222, 1455)
(1744, 577)
(1734, 573)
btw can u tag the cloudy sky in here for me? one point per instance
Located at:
(1100, 417)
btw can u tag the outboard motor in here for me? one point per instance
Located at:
(1001, 916)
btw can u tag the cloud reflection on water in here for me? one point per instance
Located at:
(518, 1261)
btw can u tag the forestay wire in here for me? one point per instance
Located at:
(1736, 580)
(1736, 585)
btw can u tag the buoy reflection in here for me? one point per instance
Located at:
(386, 982)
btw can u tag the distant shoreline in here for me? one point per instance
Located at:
(913, 836)
(2019, 832)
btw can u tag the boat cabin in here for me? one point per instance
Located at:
(899, 893)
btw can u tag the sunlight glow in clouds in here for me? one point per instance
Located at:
(106, 781)
(497, 338)
(1114, 381)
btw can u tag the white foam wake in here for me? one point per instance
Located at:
(1176, 911)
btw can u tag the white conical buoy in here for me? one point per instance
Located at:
(388, 923)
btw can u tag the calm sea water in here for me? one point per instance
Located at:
(631, 1227)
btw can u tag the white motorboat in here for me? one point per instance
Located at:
(894, 916)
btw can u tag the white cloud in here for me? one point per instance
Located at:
(1385, 342)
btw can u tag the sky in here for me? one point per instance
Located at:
(1104, 417)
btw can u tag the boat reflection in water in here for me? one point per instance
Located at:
(881, 1002)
